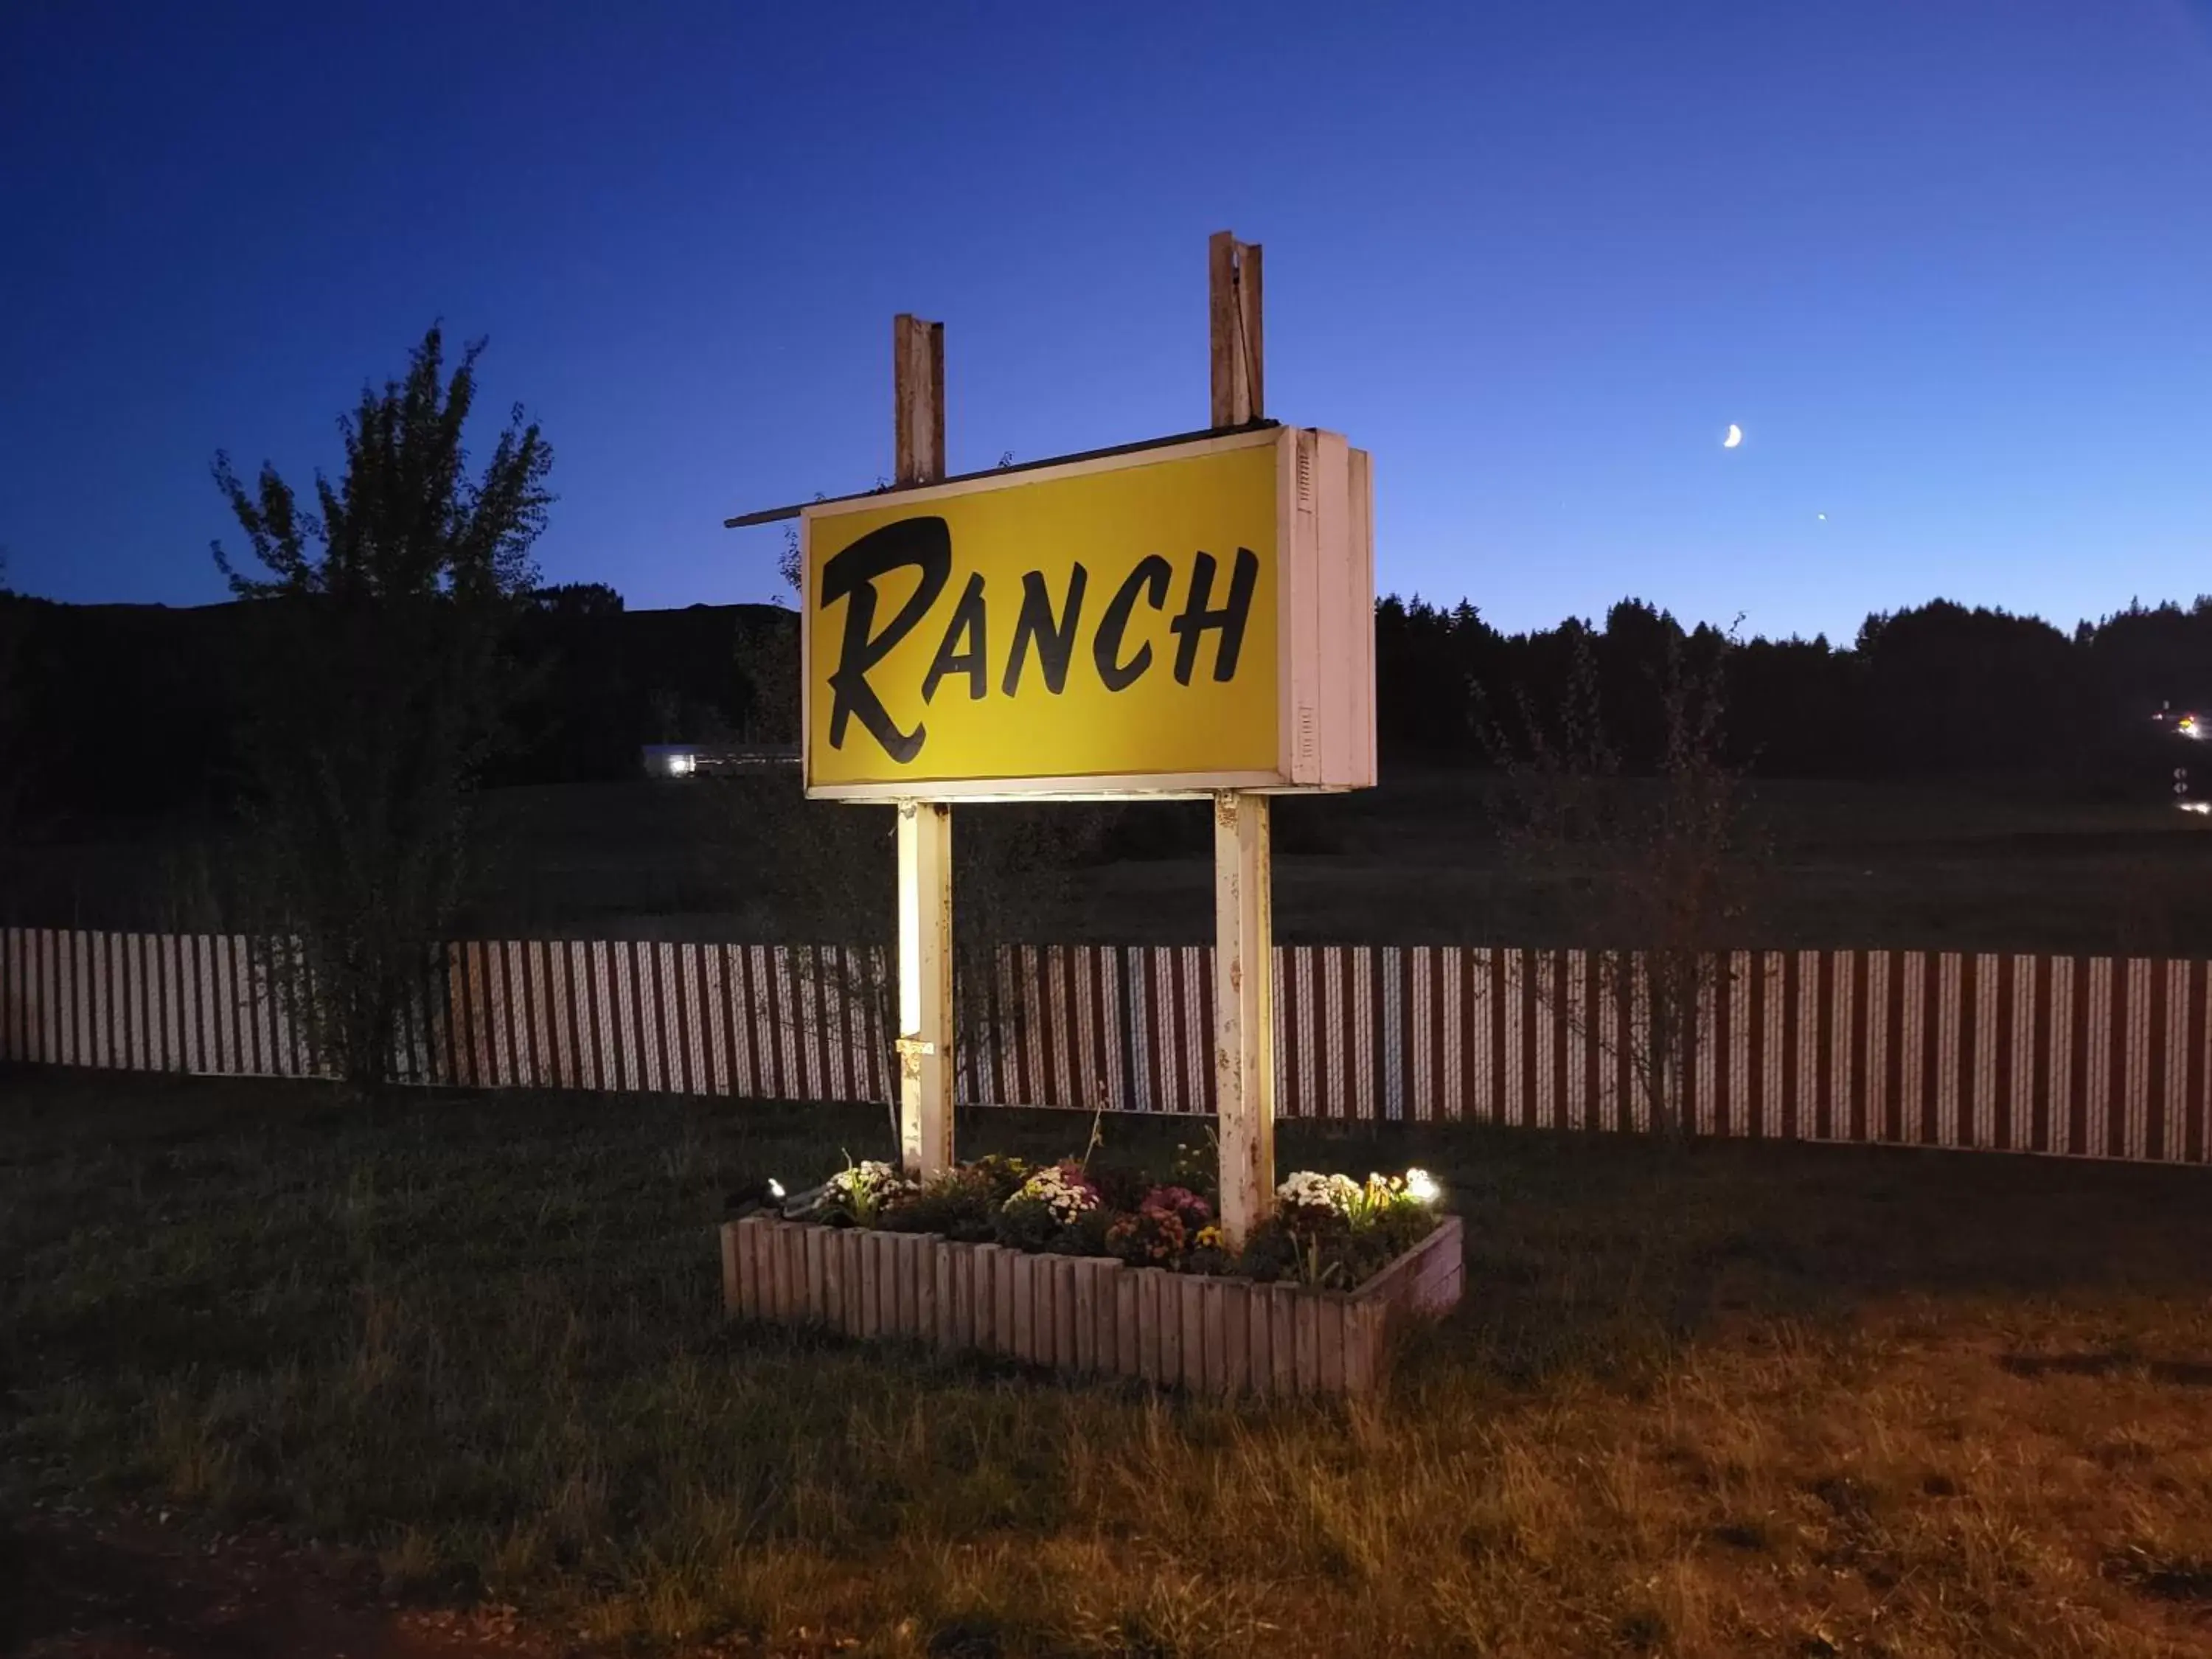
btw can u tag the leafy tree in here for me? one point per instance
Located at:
(569, 717)
(1425, 659)
(789, 568)
(377, 688)
(766, 659)
(576, 602)
(11, 757)
(1960, 690)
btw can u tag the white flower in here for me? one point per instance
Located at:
(1421, 1187)
(861, 1179)
(1064, 1198)
(865, 1188)
(1309, 1190)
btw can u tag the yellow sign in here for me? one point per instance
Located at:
(1153, 622)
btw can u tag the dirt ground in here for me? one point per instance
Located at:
(133, 1588)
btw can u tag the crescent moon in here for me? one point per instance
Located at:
(1735, 436)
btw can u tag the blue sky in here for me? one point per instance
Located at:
(1948, 263)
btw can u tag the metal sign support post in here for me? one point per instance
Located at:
(925, 828)
(1243, 894)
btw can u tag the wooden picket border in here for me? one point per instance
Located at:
(2078, 1056)
(1087, 1316)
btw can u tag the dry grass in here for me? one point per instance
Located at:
(1721, 1401)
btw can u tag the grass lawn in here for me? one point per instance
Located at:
(1721, 1400)
(1950, 866)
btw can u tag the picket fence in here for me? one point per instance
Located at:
(2090, 1056)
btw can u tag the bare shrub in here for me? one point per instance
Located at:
(1656, 873)
(821, 877)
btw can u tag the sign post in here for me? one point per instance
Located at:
(925, 826)
(1243, 886)
(1190, 617)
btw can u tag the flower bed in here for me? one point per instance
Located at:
(1093, 1272)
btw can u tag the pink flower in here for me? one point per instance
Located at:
(1178, 1201)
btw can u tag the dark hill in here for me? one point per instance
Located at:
(129, 709)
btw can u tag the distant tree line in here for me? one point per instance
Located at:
(1938, 690)
(126, 710)
(131, 710)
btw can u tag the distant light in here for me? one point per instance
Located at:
(682, 766)
(2195, 806)
(1735, 436)
(1822, 516)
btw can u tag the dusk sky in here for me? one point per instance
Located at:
(1948, 264)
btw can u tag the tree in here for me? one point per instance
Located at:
(1660, 869)
(1425, 660)
(1953, 691)
(570, 714)
(376, 692)
(12, 745)
(766, 660)
(821, 877)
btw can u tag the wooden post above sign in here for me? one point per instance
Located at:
(1234, 317)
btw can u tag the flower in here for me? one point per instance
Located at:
(1062, 1189)
(1153, 1233)
(1376, 1199)
(1209, 1237)
(1000, 1172)
(865, 1190)
(1311, 1204)
(1176, 1201)
(866, 1176)
(1307, 1190)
